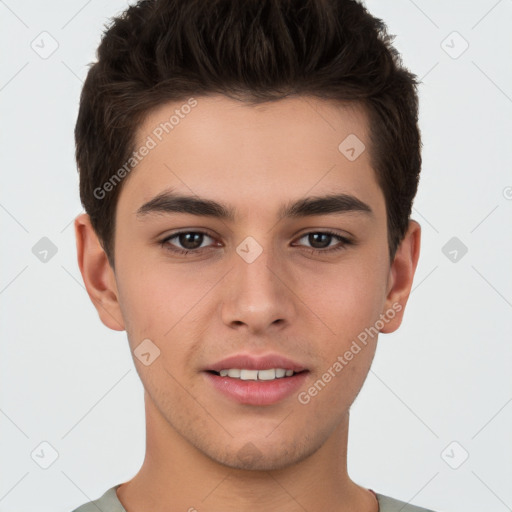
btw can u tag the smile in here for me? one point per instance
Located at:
(244, 374)
(256, 387)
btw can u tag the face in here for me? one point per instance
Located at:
(292, 288)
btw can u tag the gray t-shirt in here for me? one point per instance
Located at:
(109, 502)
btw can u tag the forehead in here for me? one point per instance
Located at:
(247, 155)
(298, 123)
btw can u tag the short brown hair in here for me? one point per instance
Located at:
(159, 51)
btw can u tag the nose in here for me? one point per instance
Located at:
(258, 294)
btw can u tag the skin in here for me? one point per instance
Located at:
(202, 307)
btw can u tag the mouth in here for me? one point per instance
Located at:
(255, 387)
(255, 379)
(266, 375)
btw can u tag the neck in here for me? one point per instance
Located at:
(177, 476)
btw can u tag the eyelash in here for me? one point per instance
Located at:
(344, 242)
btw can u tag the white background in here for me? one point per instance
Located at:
(444, 376)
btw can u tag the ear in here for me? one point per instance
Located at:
(401, 275)
(98, 275)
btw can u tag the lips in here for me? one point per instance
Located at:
(251, 362)
(256, 380)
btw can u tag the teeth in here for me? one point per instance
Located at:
(249, 374)
(267, 374)
(270, 374)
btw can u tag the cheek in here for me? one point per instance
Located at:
(158, 300)
(160, 308)
(348, 305)
(347, 298)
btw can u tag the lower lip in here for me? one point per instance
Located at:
(257, 392)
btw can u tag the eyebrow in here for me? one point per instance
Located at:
(171, 202)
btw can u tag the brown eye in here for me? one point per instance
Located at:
(188, 241)
(321, 241)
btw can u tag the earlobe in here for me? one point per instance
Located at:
(401, 277)
(98, 276)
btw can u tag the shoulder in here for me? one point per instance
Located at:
(108, 502)
(388, 504)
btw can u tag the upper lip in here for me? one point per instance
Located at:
(253, 362)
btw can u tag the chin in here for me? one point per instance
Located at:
(250, 457)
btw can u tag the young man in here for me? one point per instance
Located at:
(248, 171)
